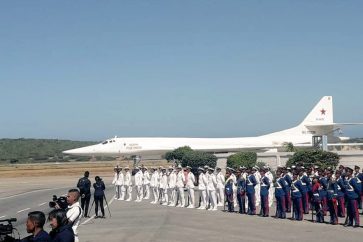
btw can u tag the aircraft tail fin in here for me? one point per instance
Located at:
(322, 113)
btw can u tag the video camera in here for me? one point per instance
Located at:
(61, 201)
(6, 229)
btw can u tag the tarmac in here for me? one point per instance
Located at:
(145, 222)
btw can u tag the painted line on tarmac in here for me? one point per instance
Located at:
(40, 190)
(109, 203)
(23, 210)
(41, 204)
(3, 216)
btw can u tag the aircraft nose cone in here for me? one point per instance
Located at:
(79, 151)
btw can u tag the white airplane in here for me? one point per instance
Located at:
(317, 123)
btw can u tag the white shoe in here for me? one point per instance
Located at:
(190, 206)
(120, 199)
(128, 200)
(219, 205)
(165, 204)
(171, 205)
(213, 209)
(201, 208)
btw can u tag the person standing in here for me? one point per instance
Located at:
(118, 181)
(138, 184)
(74, 211)
(211, 188)
(154, 185)
(164, 187)
(241, 190)
(280, 196)
(172, 187)
(84, 186)
(251, 192)
(229, 191)
(332, 193)
(146, 183)
(271, 189)
(190, 187)
(340, 194)
(180, 180)
(296, 187)
(128, 184)
(352, 189)
(264, 191)
(99, 195)
(202, 187)
(220, 187)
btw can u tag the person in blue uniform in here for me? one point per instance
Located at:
(228, 190)
(316, 200)
(241, 192)
(305, 181)
(340, 194)
(352, 188)
(332, 193)
(264, 191)
(296, 195)
(250, 191)
(359, 176)
(323, 192)
(280, 196)
(287, 189)
(99, 194)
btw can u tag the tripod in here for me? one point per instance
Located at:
(104, 197)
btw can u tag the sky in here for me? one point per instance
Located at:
(90, 70)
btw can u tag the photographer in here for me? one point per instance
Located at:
(34, 225)
(84, 186)
(99, 194)
(61, 229)
(74, 211)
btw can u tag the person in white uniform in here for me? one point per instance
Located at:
(146, 183)
(202, 182)
(257, 175)
(271, 190)
(211, 188)
(220, 187)
(164, 187)
(190, 187)
(128, 184)
(118, 181)
(172, 187)
(154, 185)
(138, 184)
(180, 183)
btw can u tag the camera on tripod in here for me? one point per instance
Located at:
(7, 229)
(61, 201)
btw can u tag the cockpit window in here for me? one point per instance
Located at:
(105, 142)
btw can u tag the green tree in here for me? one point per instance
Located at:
(313, 157)
(198, 158)
(289, 147)
(247, 159)
(178, 154)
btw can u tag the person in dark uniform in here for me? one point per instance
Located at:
(99, 194)
(352, 189)
(332, 193)
(228, 190)
(84, 186)
(61, 230)
(340, 194)
(280, 195)
(34, 225)
(241, 191)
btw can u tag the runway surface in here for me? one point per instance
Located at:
(143, 221)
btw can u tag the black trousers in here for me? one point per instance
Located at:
(85, 198)
(99, 202)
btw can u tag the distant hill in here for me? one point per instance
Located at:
(38, 150)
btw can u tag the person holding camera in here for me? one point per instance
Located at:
(84, 186)
(74, 211)
(61, 228)
(99, 194)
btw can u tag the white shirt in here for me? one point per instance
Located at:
(74, 215)
(202, 181)
(191, 180)
(154, 181)
(118, 179)
(146, 178)
(180, 179)
(138, 178)
(128, 179)
(270, 178)
(164, 181)
(172, 180)
(220, 180)
(212, 182)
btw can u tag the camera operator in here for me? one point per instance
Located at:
(61, 229)
(34, 225)
(84, 186)
(74, 211)
(99, 194)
